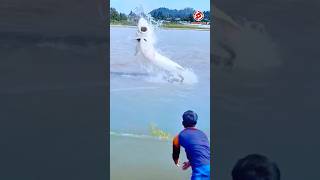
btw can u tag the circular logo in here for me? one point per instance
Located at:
(198, 15)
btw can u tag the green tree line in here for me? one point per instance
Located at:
(158, 14)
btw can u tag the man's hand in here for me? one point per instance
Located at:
(176, 162)
(186, 165)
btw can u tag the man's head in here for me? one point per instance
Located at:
(255, 167)
(189, 119)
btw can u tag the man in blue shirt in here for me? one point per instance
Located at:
(196, 145)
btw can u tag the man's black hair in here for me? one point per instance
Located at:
(189, 119)
(255, 167)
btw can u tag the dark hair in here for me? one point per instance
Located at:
(255, 167)
(189, 119)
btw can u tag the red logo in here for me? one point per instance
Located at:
(198, 15)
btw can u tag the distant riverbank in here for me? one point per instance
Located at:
(168, 26)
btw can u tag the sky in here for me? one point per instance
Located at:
(125, 6)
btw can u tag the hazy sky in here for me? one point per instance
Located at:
(125, 6)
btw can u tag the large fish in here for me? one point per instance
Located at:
(145, 46)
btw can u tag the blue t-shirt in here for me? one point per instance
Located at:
(196, 145)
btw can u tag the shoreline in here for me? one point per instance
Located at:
(165, 28)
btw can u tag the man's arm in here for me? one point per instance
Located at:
(175, 149)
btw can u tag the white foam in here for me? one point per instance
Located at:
(160, 67)
(133, 88)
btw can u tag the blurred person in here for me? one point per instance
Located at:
(255, 167)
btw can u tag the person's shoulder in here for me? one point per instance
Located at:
(189, 131)
(179, 134)
(183, 130)
(182, 133)
(199, 130)
(202, 132)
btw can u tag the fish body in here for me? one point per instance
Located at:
(145, 46)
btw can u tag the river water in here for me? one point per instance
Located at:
(138, 101)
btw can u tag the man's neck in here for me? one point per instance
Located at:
(190, 128)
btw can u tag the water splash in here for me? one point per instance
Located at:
(139, 11)
(160, 67)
